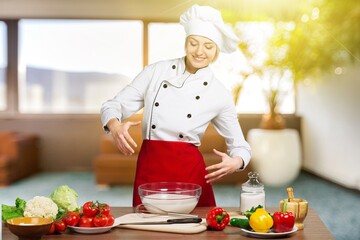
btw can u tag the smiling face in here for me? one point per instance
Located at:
(200, 52)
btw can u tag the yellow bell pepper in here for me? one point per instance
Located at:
(261, 221)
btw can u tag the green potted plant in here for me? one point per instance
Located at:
(273, 96)
(272, 76)
(322, 36)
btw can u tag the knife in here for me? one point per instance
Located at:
(169, 221)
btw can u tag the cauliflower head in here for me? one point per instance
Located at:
(41, 207)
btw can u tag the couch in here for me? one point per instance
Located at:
(19, 156)
(111, 167)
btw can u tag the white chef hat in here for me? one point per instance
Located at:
(207, 22)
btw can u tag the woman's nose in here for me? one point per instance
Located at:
(199, 50)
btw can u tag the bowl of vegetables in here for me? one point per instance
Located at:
(62, 200)
(176, 197)
(29, 227)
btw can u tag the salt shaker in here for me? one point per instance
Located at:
(252, 193)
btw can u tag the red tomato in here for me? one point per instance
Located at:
(72, 219)
(86, 221)
(104, 208)
(111, 220)
(100, 220)
(60, 226)
(90, 209)
(51, 230)
(69, 213)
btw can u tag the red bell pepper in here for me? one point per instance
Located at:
(217, 219)
(283, 221)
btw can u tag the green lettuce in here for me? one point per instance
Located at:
(9, 212)
(66, 198)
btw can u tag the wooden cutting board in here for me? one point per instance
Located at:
(187, 228)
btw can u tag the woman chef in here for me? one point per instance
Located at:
(180, 98)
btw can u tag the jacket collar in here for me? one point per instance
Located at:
(182, 75)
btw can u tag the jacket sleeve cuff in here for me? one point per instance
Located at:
(245, 154)
(105, 118)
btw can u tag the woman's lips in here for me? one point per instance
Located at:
(199, 59)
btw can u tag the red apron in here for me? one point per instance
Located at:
(166, 161)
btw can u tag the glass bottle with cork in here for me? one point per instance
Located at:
(252, 193)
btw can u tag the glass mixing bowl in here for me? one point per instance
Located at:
(177, 197)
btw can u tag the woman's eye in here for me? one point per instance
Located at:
(193, 44)
(209, 47)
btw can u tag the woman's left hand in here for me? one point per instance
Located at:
(227, 166)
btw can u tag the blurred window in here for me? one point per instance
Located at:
(73, 66)
(3, 65)
(166, 41)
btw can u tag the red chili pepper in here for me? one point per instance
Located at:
(283, 221)
(217, 219)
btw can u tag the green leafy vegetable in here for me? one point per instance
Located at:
(66, 198)
(9, 212)
(248, 213)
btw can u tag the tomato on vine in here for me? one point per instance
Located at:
(111, 220)
(51, 230)
(71, 218)
(90, 208)
(86, 221)
(100, 220)
(104, 208)
(60, 226)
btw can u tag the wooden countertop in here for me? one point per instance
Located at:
(314, 229)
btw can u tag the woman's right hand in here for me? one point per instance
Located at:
(122, 138)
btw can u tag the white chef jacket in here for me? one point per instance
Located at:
(178, 106)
